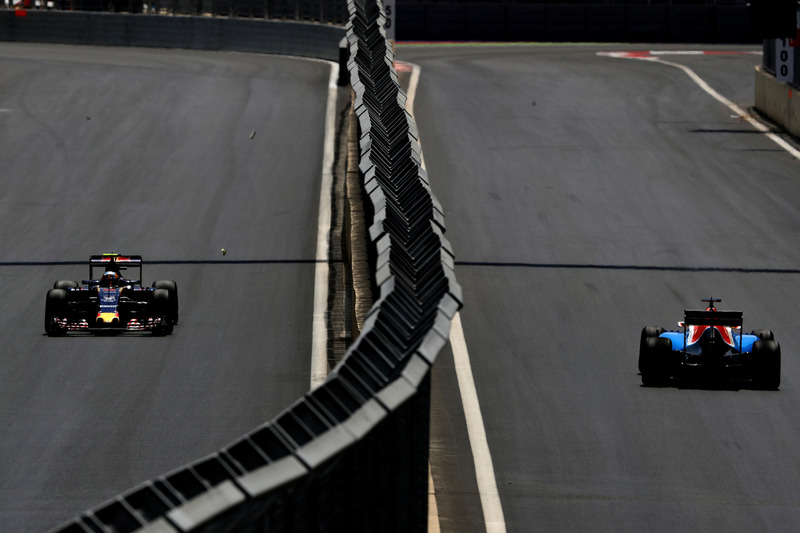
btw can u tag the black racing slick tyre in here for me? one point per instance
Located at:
(763, 334)
(172, 288)
(647, 332)
(65, 284)
(54, 308)
(162, 305)
(651, 331)
(654, 361)
(766, 365)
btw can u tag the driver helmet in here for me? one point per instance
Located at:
(109, 279)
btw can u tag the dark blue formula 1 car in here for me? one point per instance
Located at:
(711, 346)
(111, 303)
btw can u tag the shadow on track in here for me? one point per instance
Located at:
(576, 266)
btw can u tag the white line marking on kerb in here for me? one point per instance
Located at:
(707, 88)
(493, 517)
(319, 332)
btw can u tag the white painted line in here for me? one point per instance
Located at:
(411, 96)
(319, 332)
(481, 455)
(677, 52)
(433, 509)
(493, 517)
(706, 52)
(707, 88)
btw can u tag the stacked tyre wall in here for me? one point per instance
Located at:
(355, 449)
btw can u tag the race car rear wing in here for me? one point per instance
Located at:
(116, 263)
(696, 317)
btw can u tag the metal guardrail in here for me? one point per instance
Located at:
(355, 449)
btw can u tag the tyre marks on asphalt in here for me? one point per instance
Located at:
(656, 57)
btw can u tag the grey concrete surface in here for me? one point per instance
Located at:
(151, 152)
(774, 100)
(581, 195)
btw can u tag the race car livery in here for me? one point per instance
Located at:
(111, 303)
(711, 345)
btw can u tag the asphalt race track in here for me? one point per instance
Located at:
(585, 198)
(172, 155)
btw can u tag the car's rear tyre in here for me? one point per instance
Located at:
(54, 308)
(647, 332)
(652, 331)
(65, 284)
(655, 363)
(162, 304)
(766, 364)
(763, 334)
(172, 288)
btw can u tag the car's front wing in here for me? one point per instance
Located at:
(133, 324)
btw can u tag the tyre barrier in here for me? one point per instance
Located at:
(351, 454)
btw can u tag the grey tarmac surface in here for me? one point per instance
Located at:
(587, 197)
(150, 152)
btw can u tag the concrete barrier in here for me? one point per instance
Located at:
(780, 101)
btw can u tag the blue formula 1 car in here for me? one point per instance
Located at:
(111, 303)
(711, 346)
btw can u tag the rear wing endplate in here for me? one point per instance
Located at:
(696, 317)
